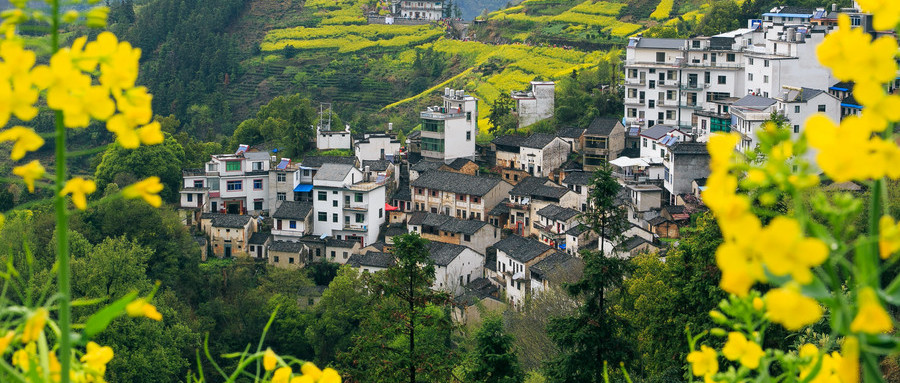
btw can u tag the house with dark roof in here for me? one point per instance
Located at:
(515, 255)
(552, 224)
(371, 262)
(634, 246)
(800, 103)
(533, 194)
(292, 220)
(573, 135)
(684, 162)
(507, 149)
(479, 295)
(456, 194)
(541, 153)
(603, 139)
(461, 165)
(555, 270)
(455, 266)
(377, 146)
(644, 201)
(499, 215)
(579, 237)
(477, 235)
(748, 114)
(392, 230)
(655, 140)
(340, 251)
(424, 165)
(228, 233)
(578, 182)
(287, 254)
(347, 206)
(259, 245)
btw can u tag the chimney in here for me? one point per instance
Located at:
(834, 7)
(390, 126)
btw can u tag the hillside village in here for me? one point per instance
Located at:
(505, 218)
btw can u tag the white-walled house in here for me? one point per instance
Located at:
(229, 183)
(457, 194)
(378, 146)
(474, 234)
(542, 153)
(454, 266)
(334, 139)
(449, 130)
(346, 205)
(535, 105)
(655, 140)
(515, 255)
(292, 220)
(555, 270)
(747, 115)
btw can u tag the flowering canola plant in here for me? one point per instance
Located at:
(90, 80)
(812, 258)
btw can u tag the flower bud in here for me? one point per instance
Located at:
(718, 317)
(716, 331)
(70, 16)
(96, 17)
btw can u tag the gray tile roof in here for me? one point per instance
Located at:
(376, 165)
(577, 230)
(689, 148)
(395, 229)
(403, 193)
(602, 126)
(521, 249)
(631, 243)
(446, 222)
(652, 43)
(444, 253)
(318, 161)
(333, 172)
(578, 178)
(558, 213)
(556, 264)
(538, 187)
(501, 208)
(456, 182)
(286, 247)
(426, 165)
(334, 242)
(371, 259)
(807, 94)
(458, 163)
(538, 140)
(657, 131)
(508, 140)
(230, 220)
(755, 102)
(570, 132)
(293, 210)
(258, 238)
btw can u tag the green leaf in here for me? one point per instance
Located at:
(816, 290)
(101, 319)
(892, 293)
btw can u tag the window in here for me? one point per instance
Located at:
(462, 197)
(467, 238)
(766, 79)
(670, 95)
(257, 166)
(290, 259)
(190, 198)
(282, 196)
(334, 203)
(333, 254)
(380, 212)
(280, 177)
(475, 199)
(323, 216)
(198, 183)
(334, 217)
(469, 136)
(233, 166)
(645, 142)
(822, 108)
(360, 218)
(706, 77)
(751, 61)
(276, 259)
(234, 185)
(434, 193)
(660, 57)
(257, 205)
(323, 196)
(796, 108)
(357, 197)
(257, 184)
(345, 255)
(722, 80)
(766, 63)
(652, 84)
(750, 76)
(796, 128)
(730, 57)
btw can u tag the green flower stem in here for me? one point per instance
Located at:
(62, 223)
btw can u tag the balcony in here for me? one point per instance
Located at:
(635, 102)
(357, 206)
(356, 227)
(440, 116)
(668, 84)
(691, 86)
(636, 81)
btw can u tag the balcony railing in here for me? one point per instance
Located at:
(440, 116)
(356, 227)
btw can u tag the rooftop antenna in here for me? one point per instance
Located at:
(325, 121)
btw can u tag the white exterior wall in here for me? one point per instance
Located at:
(371, 207)
(334, 140)
(512, 267)
(504, 158)
(288, 234)
(651, 148)
(539, 107)
(468, 265)
(372, 150)
(544, 160)
(455, 143)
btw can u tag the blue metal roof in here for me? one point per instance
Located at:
(854, 106)
(303, 188)
(807, 15)
(839, 89)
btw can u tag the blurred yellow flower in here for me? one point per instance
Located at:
(888, 236)
(785, 251)
(96, 357)
(848, 49)
(758, 304)
(703, 362)
(886, 12)
(877, 102)
(738, 348)
(790, 308)
(30, 172)
(282, 375)
(847, 363)
(35, 325)
(849, 152)
(151, 134)
(148, 190)
(6, 340)
(79, 188)
(269, 360)
(140, 308)
(24, 140)
(871, 318)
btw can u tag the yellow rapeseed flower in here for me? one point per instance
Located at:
(79, 188)
(35, 325)
(6, 340)
(738, 348)
(790, 308)
(871, 318)
(886, 12)
(30, 172)
(269, 359)
(849, 152)
(877, 102)
(888, 236)
(758, 304)
(24, 140)
(151, 134)
(310, 369)
(330, 375)
(96, 357)
(148, 190)
(140, 308)
(848, 49)
(282, 375)
(785, 250)
(847, 363)
(704, 362)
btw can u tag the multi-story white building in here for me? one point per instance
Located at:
(229, 183)
(346, 205)
(537, 104)
(333, 139)
(428, 10)
(378, 146)
(449, 130)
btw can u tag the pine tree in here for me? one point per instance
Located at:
(493, 359)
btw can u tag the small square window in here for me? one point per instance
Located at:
(292, 224)
(323, 217)
(334, 217)
(822, 108)
(323, 196)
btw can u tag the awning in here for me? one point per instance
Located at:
(303, 188)
(626, 161)
(388, 207)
